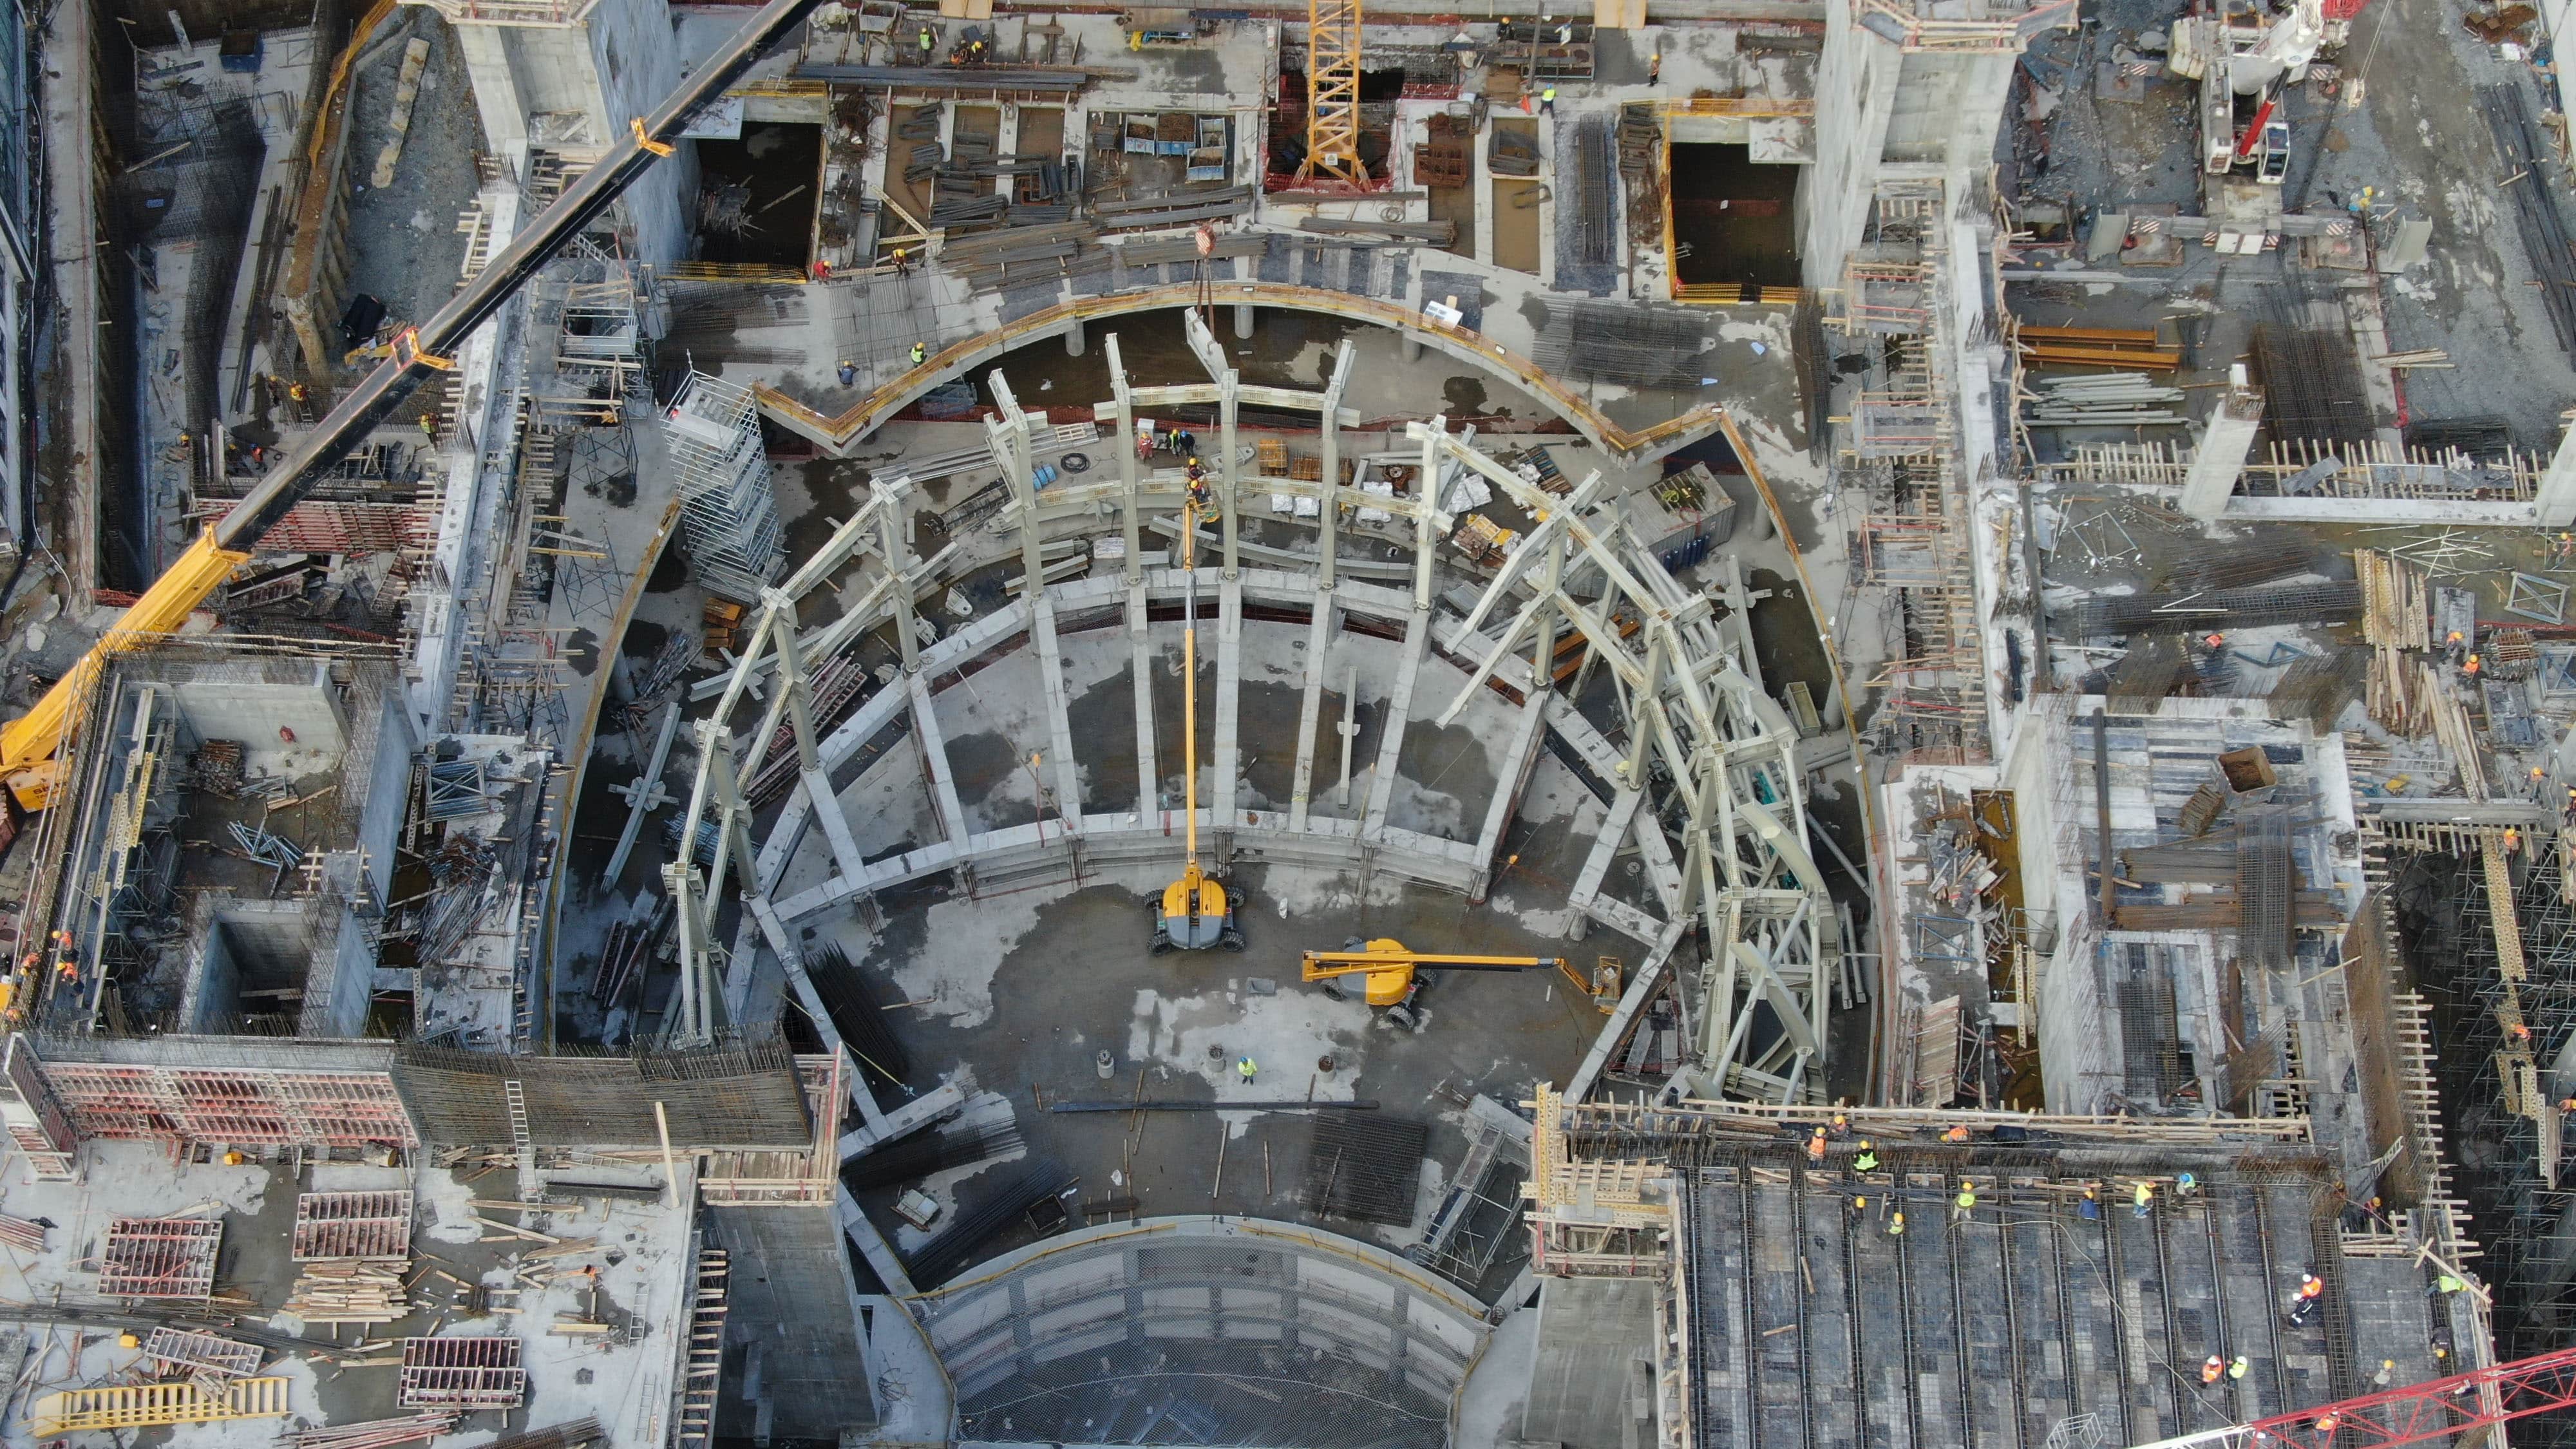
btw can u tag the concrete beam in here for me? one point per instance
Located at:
(1643, 985)
(1605, 849)
(912, 1116)
(873, 1247)
(1399, 709)
(1319, 643)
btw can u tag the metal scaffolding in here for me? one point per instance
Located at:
(728, 512)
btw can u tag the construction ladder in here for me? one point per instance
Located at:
(706, 1349)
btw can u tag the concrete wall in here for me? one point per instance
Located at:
(1593, 1335)
(388, 787)
(242, 944)
(253, 711)
(617, 65)
(1855, 89)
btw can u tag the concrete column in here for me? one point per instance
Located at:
(1149, 782)
(733, 831)
(1520, 757)
(892, 552)
(935, 771)
(1225, 750)
(2224, 444)
(1399, 708)
(1243, 321)
(1073, 342)
(1129, 522)
(1330, 422)
(2556, 503)
(1319, 642)
(809, 759)
(1009, 435)
(1412, 348)
(1068, 779)
(1225, 472)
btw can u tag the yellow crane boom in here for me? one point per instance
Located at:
(1333, 91)
(30, 745)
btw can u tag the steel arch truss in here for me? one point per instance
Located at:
(1714, 755)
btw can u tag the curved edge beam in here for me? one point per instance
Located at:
(838, 434)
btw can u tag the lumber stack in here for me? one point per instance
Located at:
(2110, 399)
(351, 1290)
(2396, 607)
(2399, 693)
(2098, 347)
(376, 1433)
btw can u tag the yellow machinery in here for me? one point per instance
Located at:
(1394, 974)
(1194, 913)
(30, 745)
(1332, 92)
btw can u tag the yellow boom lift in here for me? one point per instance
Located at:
(1194, 913)
(30, 745)
(1396, 975)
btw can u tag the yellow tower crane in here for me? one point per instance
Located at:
(1332, 92)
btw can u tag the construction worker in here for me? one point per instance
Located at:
(1547, 101)
(902, 262)
(1896, 1225)
(1840, 1127)
(2520, 1033)
(2186, 1185)
(920, 354)
(1965, 1204)
(2238, 1367)
(2143, 1198)
(1866, 1160)
(849, 372)
(1816, 1146)
(2564, 551)
(2211, 1368)
(2448, 1284)
(929, 43)
(2387, 1371)
(2215, 640)
(1655, 77)
(428, 426)
(1955, 1134)
(1244, 1068)
(2472, 665)
(2328, 1422)
(2089, 1207)
(2303, 1304)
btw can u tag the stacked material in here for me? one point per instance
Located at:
(2106, 400)
(22, 1234)
(350, 1290)
(376, 1433)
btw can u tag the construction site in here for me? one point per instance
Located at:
(1718, 724)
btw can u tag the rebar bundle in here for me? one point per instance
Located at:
(973, 1227)
(2216, 610)
(912, 1158)
(857, 1004)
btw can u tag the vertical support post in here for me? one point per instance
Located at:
(896, 556)
(1132, 525)
(670, 1167)
(2555, 499)
(1009, 436)
(733, 834)
(1331, 423)
(1550, 615)
(1425, 537)
(2224, 443)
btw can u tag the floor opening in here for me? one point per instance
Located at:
(756, 196)
(1732, 223)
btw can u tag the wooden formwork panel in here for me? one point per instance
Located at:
(352, 1225)
(159, 1258)
(462, 1373)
